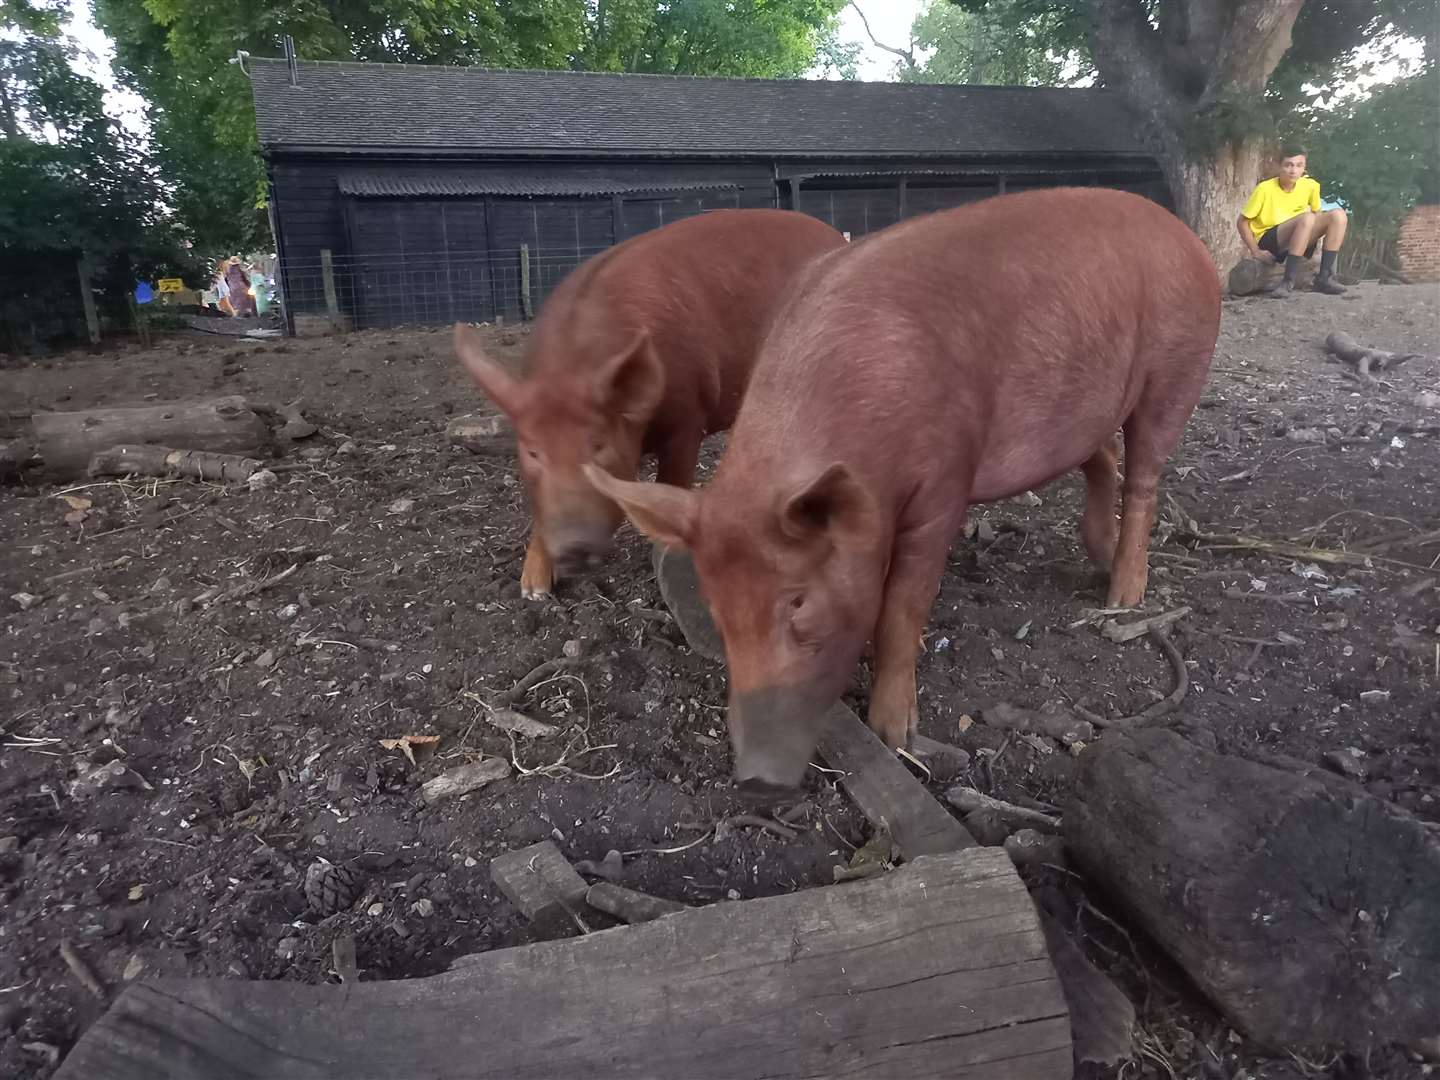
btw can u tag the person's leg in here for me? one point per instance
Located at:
(1294, 237)
(1331, 227)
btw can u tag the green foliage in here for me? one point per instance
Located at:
(175, 54)
(72, 182)
(1380, 155)
(1002, 42)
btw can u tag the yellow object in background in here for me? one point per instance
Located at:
(171, 284)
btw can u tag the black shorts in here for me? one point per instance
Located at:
(1270, 241)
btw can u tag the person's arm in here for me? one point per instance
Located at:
(1315, 197)
(1247, 237)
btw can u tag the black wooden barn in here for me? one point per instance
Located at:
(439, 194)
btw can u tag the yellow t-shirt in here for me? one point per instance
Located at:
(1270, 204)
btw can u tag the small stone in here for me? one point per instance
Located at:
(1375, 697)
(987, 827)
(401, 506)
(1305, 435)
(9, 844)
(375, 910)
(571, 649)
(287, 948)
(347, 447)
(26, 600)
(422, 908)
(261, 479)
(288, 612)
(1028, 847)
(984, 531)
(481, 433)
(266, 660)
(106, 777)
(1031, 499)
(1348, 762)
(133, 967)
(732, 894)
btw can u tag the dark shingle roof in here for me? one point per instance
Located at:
(420, 182)
(410, 107)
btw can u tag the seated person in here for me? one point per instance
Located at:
(1282, 221)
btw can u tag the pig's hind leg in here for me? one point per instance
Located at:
(1152, 432)
(1099, 528)
(678, 458)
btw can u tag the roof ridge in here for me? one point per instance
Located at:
(462, 69)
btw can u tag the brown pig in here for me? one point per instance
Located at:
(957, 358)
(644, 349)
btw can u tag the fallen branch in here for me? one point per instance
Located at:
(969, 800)
(1160, 708)
(1274, 598)
(1120, 633)
(534, 677)
(755, 821)
(1345, 347)
(144, 460)
(629, 906)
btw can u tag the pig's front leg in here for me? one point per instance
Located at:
(537, 576)
(910, 587)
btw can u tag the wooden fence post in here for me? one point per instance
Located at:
(327, 271)
(527, 312)
(87, 300)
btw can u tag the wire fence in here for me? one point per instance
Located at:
(433, 288)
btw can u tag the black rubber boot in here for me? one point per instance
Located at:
(1325, 280)
(1286, 285)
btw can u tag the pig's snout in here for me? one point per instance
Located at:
(773, 733)
(579, 546)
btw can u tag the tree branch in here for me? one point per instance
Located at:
(908, 55)
(1253, 43)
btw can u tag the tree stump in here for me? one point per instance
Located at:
(226, 425)
(1305, 908)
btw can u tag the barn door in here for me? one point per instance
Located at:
(419, 263)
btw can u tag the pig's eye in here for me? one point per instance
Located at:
(796, 602)
(532, 453)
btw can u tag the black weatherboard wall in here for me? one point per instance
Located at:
(425, 184)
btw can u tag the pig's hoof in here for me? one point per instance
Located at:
(535, 592)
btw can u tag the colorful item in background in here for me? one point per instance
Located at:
(241, 298)
(171, 284)
(143, 293)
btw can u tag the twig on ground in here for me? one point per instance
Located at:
(81, 970)
(755, 821)
(1160, 708)
(536, 675)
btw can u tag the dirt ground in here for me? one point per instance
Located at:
(255, 722)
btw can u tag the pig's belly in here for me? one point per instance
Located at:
(1020, 461)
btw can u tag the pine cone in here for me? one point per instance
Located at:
(330, 888)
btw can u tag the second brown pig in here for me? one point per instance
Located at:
(644, 349)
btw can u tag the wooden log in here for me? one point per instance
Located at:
(885, 791)
(163, 461)
(68, 440)
(936, 969)
(1302, 906)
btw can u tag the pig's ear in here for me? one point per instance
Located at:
(661, 511)
(499, 385)
(631, 382)
(834, 504)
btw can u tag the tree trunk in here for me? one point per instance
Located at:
(1178, 64)
(1209, 191)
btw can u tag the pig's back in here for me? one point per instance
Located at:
(969, 330)
(705, 289)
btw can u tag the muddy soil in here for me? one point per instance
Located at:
(386, 603)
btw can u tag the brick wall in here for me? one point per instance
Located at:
(1419, 244)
